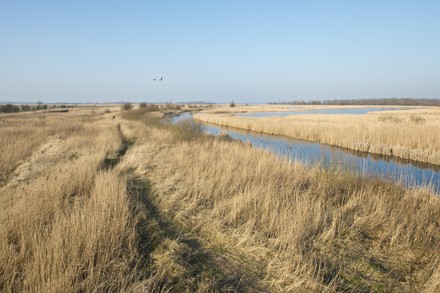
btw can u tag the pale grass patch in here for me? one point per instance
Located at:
(16, 145)
(22, 134)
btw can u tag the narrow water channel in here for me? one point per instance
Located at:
(339, 111)
(311, 153)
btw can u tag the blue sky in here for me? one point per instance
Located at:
(218, 51)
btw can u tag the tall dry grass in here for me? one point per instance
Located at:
(141, 205)
(22, 134)
(405, 134)
(71, 225)
(298, 229)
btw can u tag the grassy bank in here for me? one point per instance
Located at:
(292, 228)
(408, 134)
(138, 205)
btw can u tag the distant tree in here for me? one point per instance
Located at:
(171, 106)
(152, 108)
(26, 108)
(9, 108)
(232, 104)
(127, 107)
(39, 105)
(142, 105)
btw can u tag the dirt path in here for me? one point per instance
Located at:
(44, 157)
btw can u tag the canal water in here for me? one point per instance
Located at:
(407, 172)
(344, 111)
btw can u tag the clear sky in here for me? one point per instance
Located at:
(218, 51)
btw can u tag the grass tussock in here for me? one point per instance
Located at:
(188, 130)
(408, 135)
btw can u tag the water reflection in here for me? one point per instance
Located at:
(311, 153)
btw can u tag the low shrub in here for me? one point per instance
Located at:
(127, 107)
(9, 108)
(149, 107)
(169, 106)
(188, 130)
(26, 108)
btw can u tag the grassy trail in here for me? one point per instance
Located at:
(184, 263)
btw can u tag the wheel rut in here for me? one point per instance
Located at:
(203, 266)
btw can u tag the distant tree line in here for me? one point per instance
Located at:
(369, 102)
(151, 107)
(10, 108)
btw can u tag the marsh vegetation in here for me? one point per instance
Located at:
(406, 134)
(96, 204)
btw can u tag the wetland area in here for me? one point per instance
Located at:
(198, 205)
(409, 173)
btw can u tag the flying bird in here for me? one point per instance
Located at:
(154, 79)
(161, 78)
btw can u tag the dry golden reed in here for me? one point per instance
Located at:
(297, 229)
(98, 204)
(411, 134)
(67, 225)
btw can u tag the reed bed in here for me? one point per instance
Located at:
(138, 205)
(409, 135)
(225, 109)
(297, 229)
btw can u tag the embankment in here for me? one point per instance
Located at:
(288, 226)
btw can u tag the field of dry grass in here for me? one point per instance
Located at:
(293, 228)
(407, 134)
(247, 108)
(67, 224)
(133, 204)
